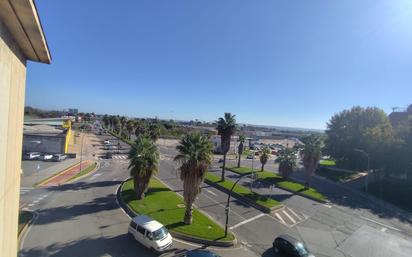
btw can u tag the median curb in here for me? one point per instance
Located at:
(27, 225)
(132, 214)
(245, 199)
(84, 175)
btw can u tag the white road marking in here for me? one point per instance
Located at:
(210, 192)
(247, 221)
(294, 213)
(224, 206)
(327, 205)
(280, 218)
(384, 229)
(287, 214)
(377, 222)
(30, 205)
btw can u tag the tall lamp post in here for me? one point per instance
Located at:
(368, 167)
(227, 208)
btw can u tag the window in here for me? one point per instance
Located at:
(133, 224)
(141, 230)
(160, 233)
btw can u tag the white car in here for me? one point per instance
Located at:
(106, 142)
(150, 233)
(31, 156)
(46, 157)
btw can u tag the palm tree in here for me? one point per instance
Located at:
(264, 157)
(195, 157)
(240, 148)
(144, 162)
(123, 121)
(311, 154)
(287, 161)
(141, 128)
(226, 127)
(130, 128)
(116, 124)
(154, 131)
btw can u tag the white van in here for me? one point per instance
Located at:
(150, 233)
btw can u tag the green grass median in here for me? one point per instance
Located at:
(243, 191)
(83, 171)
(167, 207)
(279, 181)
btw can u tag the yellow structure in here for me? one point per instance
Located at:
(21, 39)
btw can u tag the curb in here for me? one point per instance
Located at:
(84, 175)
(287, 189)
(132, 214)
(246, 200)
(44, 181)
(26, 226)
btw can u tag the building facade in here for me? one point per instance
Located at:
(21, 39)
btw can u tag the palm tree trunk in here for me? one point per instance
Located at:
(262, 169)
(188, 214)
(223, 167)
(238, 161)
(140, 186)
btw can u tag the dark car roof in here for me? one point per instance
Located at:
(200, 253)
(290, 239)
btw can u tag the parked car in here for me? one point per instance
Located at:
(31, 156)
(107, 142)
(46, 157)
(290, 246)
(250, 156)
(150, 233)
(58, 157)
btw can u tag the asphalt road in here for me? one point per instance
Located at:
(83, 219)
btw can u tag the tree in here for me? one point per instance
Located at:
(105, 120)
(358, 128)
(116, 124)
(226, 127)
(287, 161)
(123, 121)
(144, 163)
(264, 157)
(195, 157)
(240, 148)
(311, 154)
(154, 131)
(130, 127)
(140, 128)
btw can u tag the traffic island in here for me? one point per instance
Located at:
(260, 202)
(25, 219)
(271, 178)
(167, 207)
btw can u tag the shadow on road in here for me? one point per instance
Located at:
(64, 213)
(82, 185)
(121, 245)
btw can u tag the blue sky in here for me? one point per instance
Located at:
(286, 63)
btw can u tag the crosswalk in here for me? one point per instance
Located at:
(115, 157)
(24, 190)
(288, 217)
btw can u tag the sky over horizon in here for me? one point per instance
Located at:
(283, 63)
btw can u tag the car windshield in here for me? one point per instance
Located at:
(160, 233)
(301, 249)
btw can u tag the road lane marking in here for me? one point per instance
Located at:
(287, 214)
(247, 221)
(210, 192)
(377, 222)
(294, 213)
(224, 206)
(280, 218)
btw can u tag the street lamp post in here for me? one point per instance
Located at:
(227, 208)
(368, 167)
(81, 151)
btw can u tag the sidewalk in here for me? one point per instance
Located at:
(67, 174)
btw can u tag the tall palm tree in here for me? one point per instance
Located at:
(116, 124)
(105, 120)
(141, 128)
(154, 131)
(287, 161)
(130, 127)
(264, 157)
(144, 162)
(226, 127)
(195, 157)
(240, 148)
(123, 121)
(311, 154)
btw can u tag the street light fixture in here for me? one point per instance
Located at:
(368, 167)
